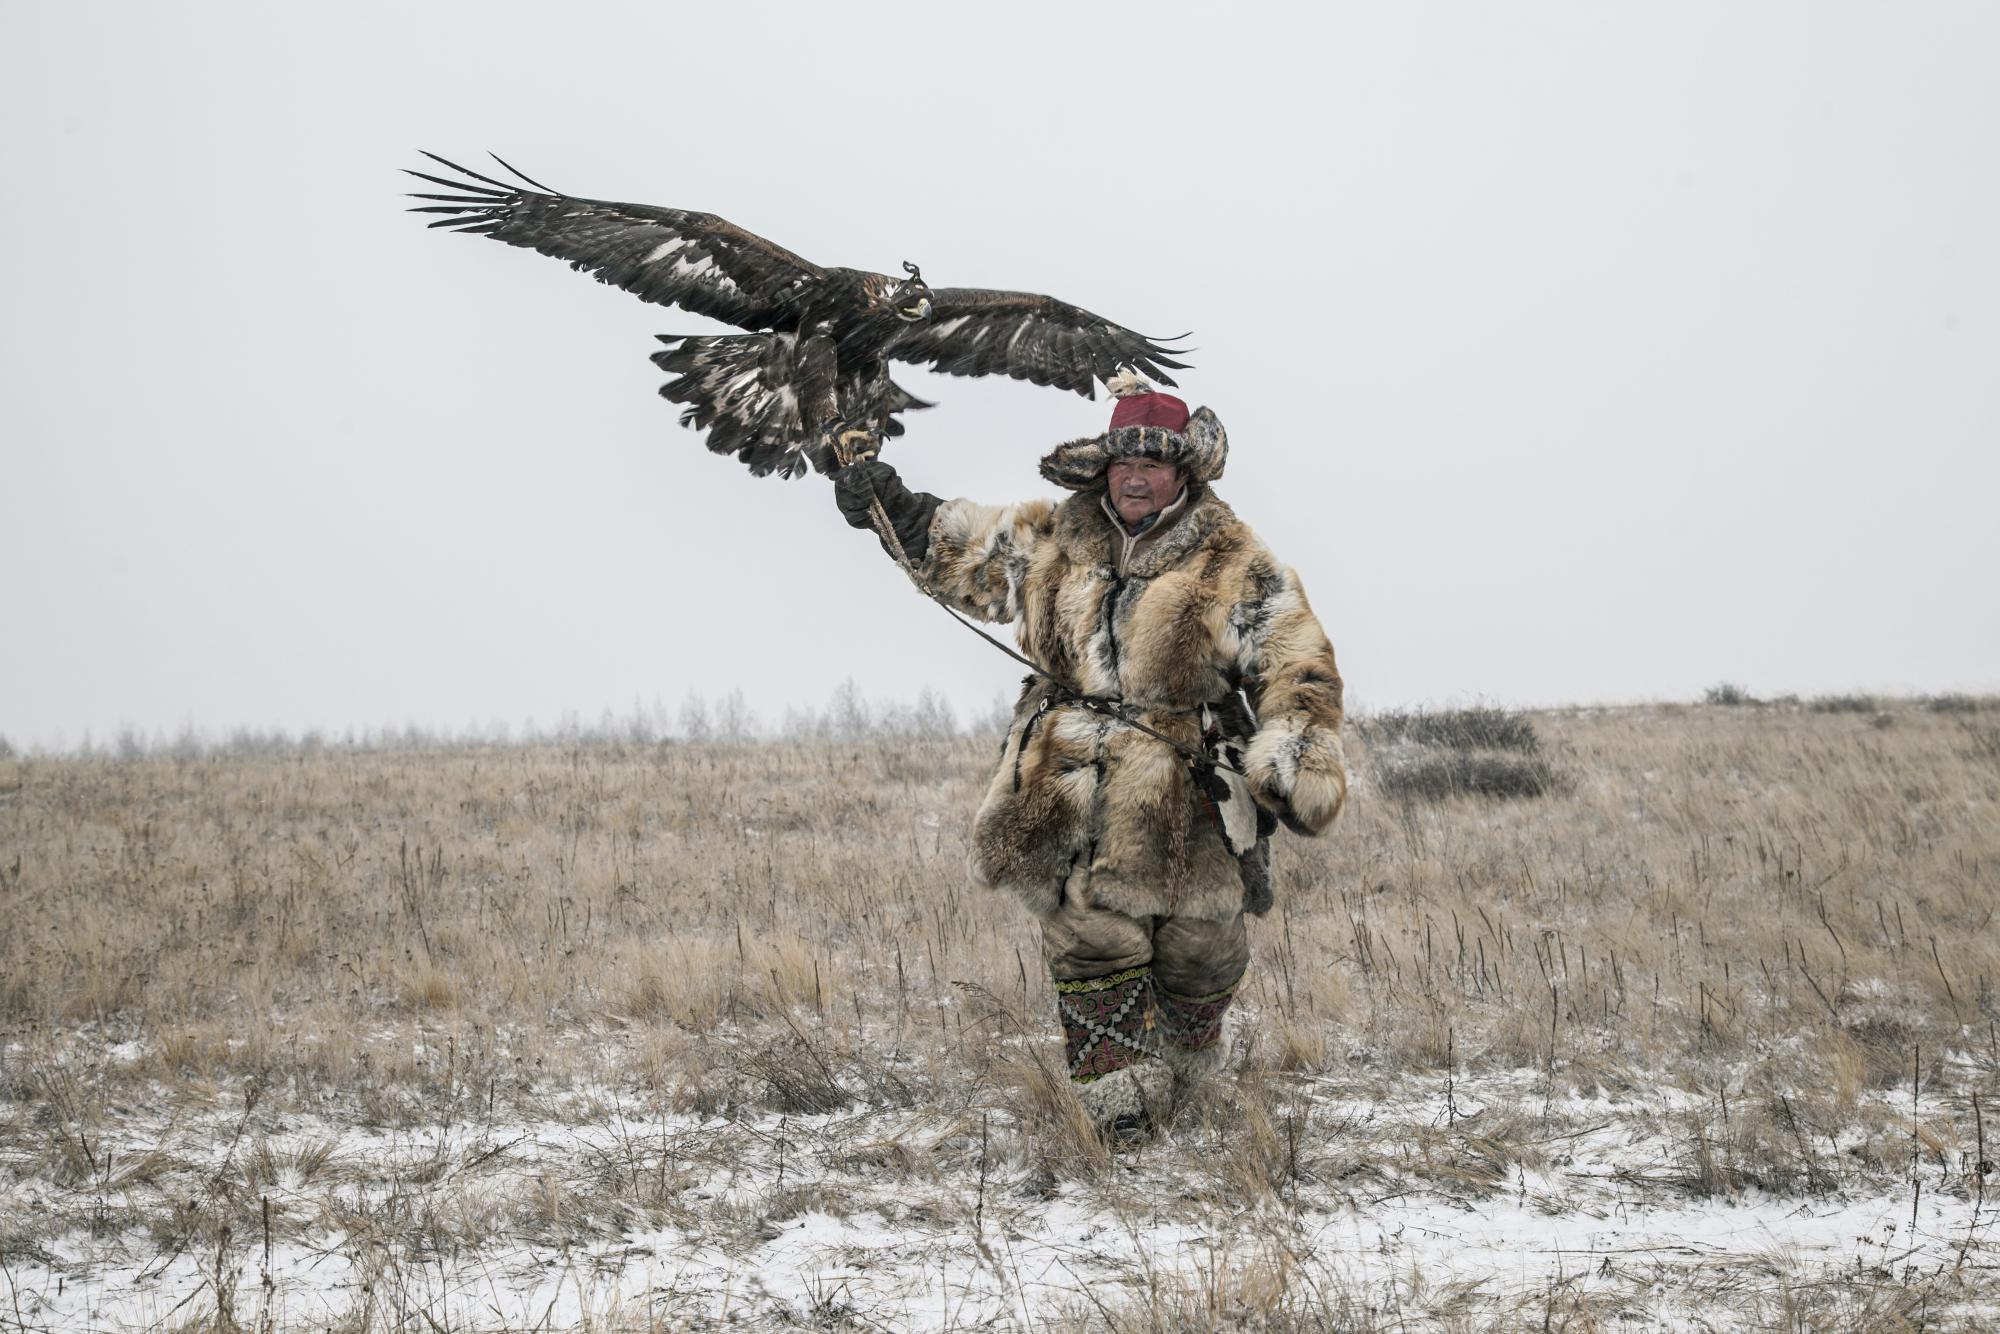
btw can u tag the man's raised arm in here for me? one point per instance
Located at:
(973, 556)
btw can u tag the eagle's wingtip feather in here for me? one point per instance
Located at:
(522, 174)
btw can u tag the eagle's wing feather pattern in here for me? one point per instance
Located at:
(670, 256)
(741, 389)
(975, 331)
(747, 392)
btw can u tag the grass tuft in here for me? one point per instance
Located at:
(1435, 756)
(1438, 777)
(1844, 704)
(1455, 729)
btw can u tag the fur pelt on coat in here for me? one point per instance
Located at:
(1202, 610)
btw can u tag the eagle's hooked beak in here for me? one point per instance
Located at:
(922, 310)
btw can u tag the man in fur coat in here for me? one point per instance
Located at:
(1190, 704)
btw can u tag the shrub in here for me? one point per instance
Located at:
(1435, 775)
(1479, 752)
(1457, 729)
(1844, 704)
(1727, 693)
(1953, 703)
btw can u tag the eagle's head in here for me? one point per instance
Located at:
(911, 298)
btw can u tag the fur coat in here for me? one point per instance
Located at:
(1174, 626)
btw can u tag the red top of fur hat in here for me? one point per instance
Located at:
(1139, 404)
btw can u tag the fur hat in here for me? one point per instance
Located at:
(1144, 424)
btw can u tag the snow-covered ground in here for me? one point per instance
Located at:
(1373, 1203)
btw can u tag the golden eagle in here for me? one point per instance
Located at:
(814, 364)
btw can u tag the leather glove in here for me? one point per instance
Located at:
(909, 511)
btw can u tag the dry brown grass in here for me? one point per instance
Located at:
(1759, 924)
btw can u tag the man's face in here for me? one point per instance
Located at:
(1140, 487)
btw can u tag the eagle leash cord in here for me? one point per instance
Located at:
(1070, 694)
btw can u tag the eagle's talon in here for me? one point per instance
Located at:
(851, 444)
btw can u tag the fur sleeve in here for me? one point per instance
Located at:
(979, 554)
(1294, 765)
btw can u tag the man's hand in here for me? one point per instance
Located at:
(855, 485)
(909, 512)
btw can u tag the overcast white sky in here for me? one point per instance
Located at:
(1569, 351)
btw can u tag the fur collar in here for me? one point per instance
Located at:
(1159, 519)
(1089, 536)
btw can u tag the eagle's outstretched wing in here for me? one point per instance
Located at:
(973, 331)
(695, 261)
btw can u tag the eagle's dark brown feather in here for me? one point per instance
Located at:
(978, 331)
(669, 256)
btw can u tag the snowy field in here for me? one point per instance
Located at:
(1386, 1205)
(1695, 1031)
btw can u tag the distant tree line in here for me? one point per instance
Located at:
(728, 719)
(848, 715)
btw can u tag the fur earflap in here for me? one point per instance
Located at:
(1207, 446)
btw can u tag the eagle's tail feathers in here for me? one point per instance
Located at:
(900, 399)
